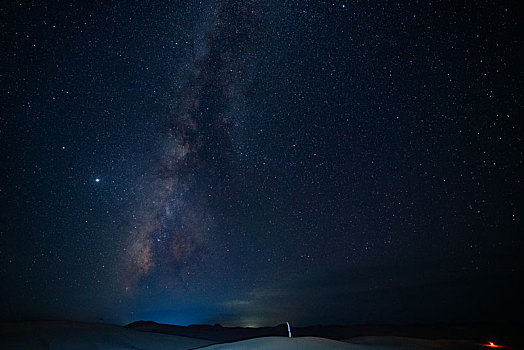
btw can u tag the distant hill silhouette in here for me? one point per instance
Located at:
(481, 332)
(207, 332)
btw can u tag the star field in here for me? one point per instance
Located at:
(251, 163)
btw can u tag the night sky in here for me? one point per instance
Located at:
(255, 162)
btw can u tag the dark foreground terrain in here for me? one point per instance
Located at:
(150, 335)
(509, 334)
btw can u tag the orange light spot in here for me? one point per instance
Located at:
(492, 345)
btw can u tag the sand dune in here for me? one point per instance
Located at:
(359, 343)
(281, 343)
(78, 335)
(390, 343)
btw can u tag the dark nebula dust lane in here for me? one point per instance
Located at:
(174, 228)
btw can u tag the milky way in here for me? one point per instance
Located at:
(173, 228)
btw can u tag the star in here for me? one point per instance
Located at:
(97, 180)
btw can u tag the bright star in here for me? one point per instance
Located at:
(97, 179)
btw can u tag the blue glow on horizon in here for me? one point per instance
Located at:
(182, 317)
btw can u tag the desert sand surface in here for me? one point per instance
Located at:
(388, 342)
(359, 343)
(281, 343)
(390, 336)
(79, 335)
